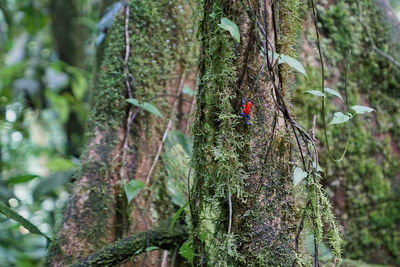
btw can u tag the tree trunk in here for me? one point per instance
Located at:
(242, 199)
(123, 140)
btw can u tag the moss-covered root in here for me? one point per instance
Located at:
(123, 250)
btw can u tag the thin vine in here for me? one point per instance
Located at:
(315, 19)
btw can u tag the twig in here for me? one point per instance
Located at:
(313, 127)
(127, 52)
(131, 115)
(230, 208)
(169, 126)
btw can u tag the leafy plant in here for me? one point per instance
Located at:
(132, 189)
(187, 251)
(230, 26)
(298, 175)
(146, 106)
(10, 213)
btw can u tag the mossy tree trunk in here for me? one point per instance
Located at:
(97, 213)
(242, 199)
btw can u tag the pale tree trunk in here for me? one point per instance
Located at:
(242, 200)
(124, 140)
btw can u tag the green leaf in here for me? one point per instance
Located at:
(333, 92)
(178, 214)
(151, 108)
(152, 248)
(78, 82)
(294, 63)
(133, 101)
(362, 109)
(21, 179)
(298, 175)
(319, 169)
(133, 188)
(186, 250)
(315, 92)
(60, 104)
(146, 106)
(57, 163)
(10, 213)
(230, 26)
(187, 90)
(339, 118)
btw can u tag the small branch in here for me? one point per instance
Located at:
(313, 128)
(121, 251)
(169, 126)
(127, 52)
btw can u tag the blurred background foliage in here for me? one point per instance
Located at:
(47, 53)
(46, 57)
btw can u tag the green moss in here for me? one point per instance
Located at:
(155, 50)
(224, 157)
(367, 176)
(215, 161)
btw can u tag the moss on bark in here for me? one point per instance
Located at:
(365, 185)
(121, 251)
(160, 42)
(230, 158)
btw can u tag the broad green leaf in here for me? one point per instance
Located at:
(146, 106)
(315, 92)
(294, 63)
(133, 188)
(186, 250)
(178, 214)
(151, 108)
(362, 109)
(319, 169)
(57, 164)
(298, 175)
(230, 26)
(152, 248)
(339, 118)
(20, 179)
(10, 213)
(59, 103)
(78, 82)
(133, 101)
(333, 92)
(187, 90)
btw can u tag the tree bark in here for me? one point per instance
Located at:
(242, 198)
(97, 213)
(121, 251)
